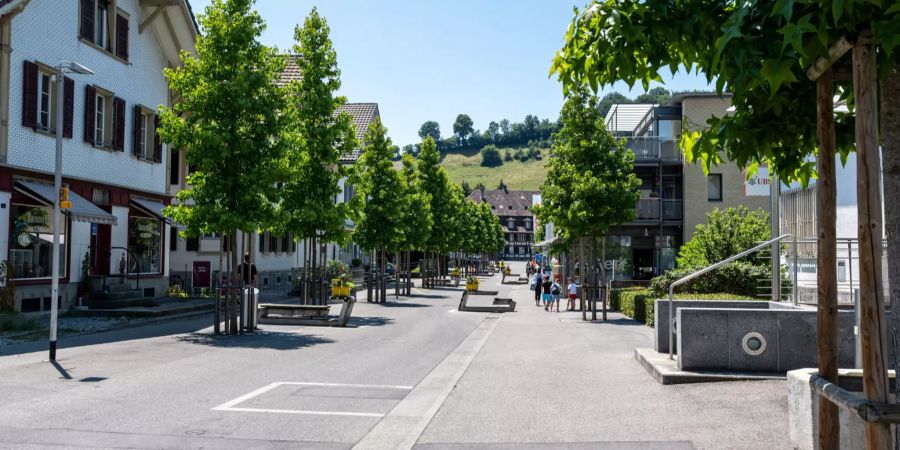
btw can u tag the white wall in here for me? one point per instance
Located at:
(119, 238)
(47, 32)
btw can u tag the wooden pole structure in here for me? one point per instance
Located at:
(826, 263)
(872, 320)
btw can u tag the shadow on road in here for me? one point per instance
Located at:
(369, 322)
(274, 340)
(406, 305)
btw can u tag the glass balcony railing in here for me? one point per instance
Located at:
(654, 148)
(655, 208)
(671, 210)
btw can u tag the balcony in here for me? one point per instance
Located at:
(654, 148)
(654, 208)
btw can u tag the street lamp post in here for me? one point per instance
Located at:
(61, 70)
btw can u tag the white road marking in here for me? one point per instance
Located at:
(231, 404)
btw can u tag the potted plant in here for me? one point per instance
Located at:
(471, 283)
(341, 284)
(454, 272)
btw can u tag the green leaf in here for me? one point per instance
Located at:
(777, 72)
(783, 8)
(837, 10)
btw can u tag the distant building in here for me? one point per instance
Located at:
(675, 195)
(513, 209)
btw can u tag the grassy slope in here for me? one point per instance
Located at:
(517, 175)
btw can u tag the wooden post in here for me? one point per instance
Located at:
(868, 193)
(826, 263)
(890, 150)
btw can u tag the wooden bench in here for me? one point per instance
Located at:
(500, 305)
(312, 315)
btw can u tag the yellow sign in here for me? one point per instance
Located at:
(64, 202)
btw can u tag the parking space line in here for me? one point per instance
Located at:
(231, 405)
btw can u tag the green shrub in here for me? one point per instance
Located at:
(738, 278)
(639, 303)
(633, 303)
(490, 156)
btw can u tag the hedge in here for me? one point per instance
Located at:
(739, 277)
(638, 303)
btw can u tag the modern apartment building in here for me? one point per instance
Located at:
(513, 209)
(113, 161)
(675, 195)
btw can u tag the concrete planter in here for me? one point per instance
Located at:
(803, 410)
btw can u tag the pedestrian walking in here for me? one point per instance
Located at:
(555, 291)
(536, 287)
(547, 296)
(573, 294)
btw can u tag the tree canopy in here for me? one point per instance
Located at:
(381, 204)
(224, 122)
(463, 127)
(430, 129)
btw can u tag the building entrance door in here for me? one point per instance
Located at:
(643, 263)
(101, 240)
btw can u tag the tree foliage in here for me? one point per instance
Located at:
(490, 156)
(758, 52)
(430, 129)
(382, 204)
(436, 183)
(725, 233)
(317, 138)
(591, 183)
(463, 127)
(416, 219)
(226, 122)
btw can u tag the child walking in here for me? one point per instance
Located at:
(555, 291)
(573, 294)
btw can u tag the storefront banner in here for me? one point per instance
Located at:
(758, 184)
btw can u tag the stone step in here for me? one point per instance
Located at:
(98, 303)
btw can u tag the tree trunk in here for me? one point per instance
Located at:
(871, 306)
(890, 146)
(584, 270)
(232, 299)
(603, 292)
(826, 264)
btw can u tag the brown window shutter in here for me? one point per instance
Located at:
(122, 37)
(90, 112)
(68, 107)
(119, 125)
(88, 13)
(29, 95)
(157, 142)
(136, 131)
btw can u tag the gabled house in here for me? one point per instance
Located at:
(514, 211)
(113, 161)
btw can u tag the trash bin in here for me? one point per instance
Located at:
(249, 300)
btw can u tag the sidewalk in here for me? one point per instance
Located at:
(547, 377)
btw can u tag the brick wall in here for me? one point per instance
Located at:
(696, 111)
(47, 32)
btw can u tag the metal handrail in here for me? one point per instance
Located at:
(709, 268)
(131, 257)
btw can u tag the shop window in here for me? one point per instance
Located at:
(32, 242)
(145, 244)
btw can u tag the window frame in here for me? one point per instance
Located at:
(46, 74)
(108, 119)
(709, 179)
(109, 28)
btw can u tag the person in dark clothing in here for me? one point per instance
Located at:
(248, 271)
(536, 287)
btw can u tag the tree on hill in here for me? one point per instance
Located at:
(226, 121)
(490, 156)
(493, 131)
(462, 127)
(430, 129)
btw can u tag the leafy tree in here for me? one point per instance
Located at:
(416, 221)
(317, 138)
(490, 156)
(479, 186)
(726, 233)
(410, 149)
(466, 188)
(430, 129)
(507, 155)
(493, 131)
(226, 121)
(530, 127)
(658, 95)
(611, 99)
(436, 183)
(591, 183)
(382, 204)
(462, 127)
(504, 127)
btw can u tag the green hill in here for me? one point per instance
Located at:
(517, 175)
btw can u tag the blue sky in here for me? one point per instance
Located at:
(429, 60)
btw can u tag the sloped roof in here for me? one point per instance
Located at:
(291, 71)
(625, 117)
(363, 115)
(506, 203)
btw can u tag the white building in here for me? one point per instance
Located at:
(113, 162)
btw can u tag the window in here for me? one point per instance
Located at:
(100, 127)
(46, 102)
(174, 166)
(105, 26)
(100, 196)
(145, 144)
(715, 187)
(102, 21)
(193, 244)
(32, 242)
(145, 243)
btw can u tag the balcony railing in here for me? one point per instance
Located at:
(654, 208)
(654, 148)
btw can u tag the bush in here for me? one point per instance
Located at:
(356, 262)
(490, 156)
(738, 278)
(640, 303)
(507, 156)
(726, 233)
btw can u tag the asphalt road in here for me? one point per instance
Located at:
(412, 373)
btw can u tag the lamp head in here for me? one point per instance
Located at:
(75, 67)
